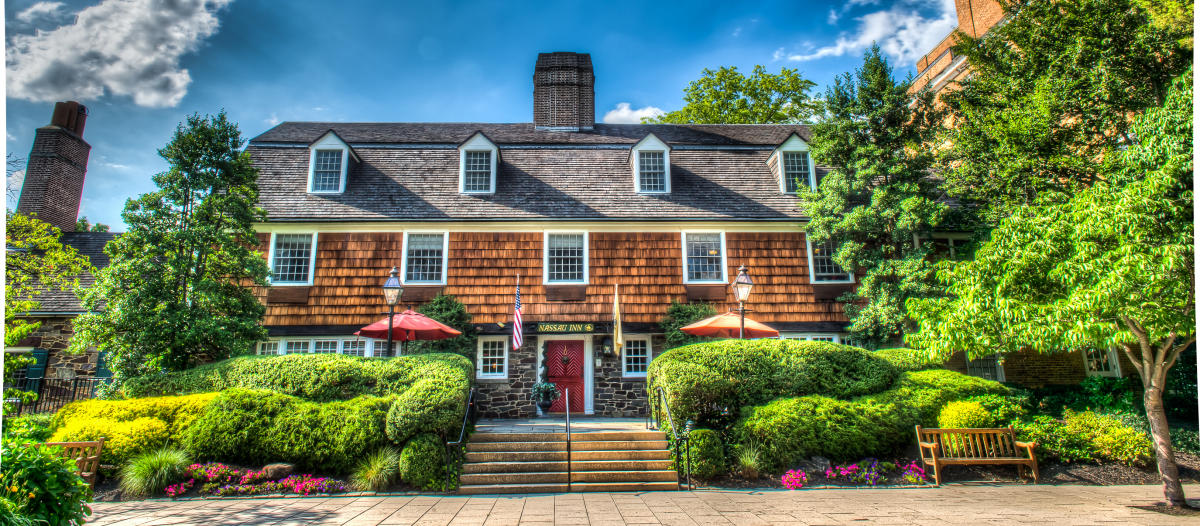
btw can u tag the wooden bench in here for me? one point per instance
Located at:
(946, 447)
(86, 456)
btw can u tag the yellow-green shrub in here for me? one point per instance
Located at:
(176, 412)
(123, 438)
(965, 414)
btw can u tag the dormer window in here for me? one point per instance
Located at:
(793, 165)
(329, 162)
(477, 165)
(651, 160)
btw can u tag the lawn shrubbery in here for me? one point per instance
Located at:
(124, 439)
(175, 412)
(1087, 437)
(905, 359)
(422, 462)
(965, 414)
(708, 455)
(793, 429)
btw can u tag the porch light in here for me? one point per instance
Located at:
(741, 289)
(392, 289)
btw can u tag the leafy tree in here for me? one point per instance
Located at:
(681, 314)
(1112, 266)
(83, 225)
(726, 96)
(176, 291)
(36, 261)
(879, 196)
(450, 311)
(1051, 92)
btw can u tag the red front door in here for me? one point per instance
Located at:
(564, 366)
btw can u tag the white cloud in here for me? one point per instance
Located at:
(121, 47)
(272, 120)
(39, 11)
(834, 15)
(736, 31)
(902, 32)
(623, 114)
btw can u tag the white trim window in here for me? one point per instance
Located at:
(325, 346)
(704, 257)
(987, 367)
(491, 359)
(268, 347)
(425, 256)
(1102, 362)
(812, 337)
(355, 347)
(821, 266)
(328, 165)
(565, 258)
(636, 356)
(651, 163)
(793, 165)
(296, 346)
(478, 158)
(293, 257)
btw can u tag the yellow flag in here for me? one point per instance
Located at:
(618, 335)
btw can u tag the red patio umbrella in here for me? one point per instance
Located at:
(727, 326)
(409, 325)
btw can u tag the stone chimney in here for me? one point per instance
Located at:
(53, 184)
(564, 96)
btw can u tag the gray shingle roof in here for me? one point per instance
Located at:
(90, 244)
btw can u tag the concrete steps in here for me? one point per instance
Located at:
(509, 462)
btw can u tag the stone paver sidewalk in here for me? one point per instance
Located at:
(951, 504)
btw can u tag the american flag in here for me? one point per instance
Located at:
(517, 336)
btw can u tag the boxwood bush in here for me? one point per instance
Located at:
(905, 359)
(707, 454)
(702, 379)
(422, 462)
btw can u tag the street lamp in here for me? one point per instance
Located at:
(741, 289)
(391, 295)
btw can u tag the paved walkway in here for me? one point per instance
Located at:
(951, 504)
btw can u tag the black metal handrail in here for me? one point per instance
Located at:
(568, 395)
(467, 416)
(657, 423)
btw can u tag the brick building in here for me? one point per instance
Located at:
(941, 66)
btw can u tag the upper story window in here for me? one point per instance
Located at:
(292, 259)
(328, 164)
(477, 165)
(793, 165)
(425, 257)
(704, 257)
(566, 258)
(651, 163)
(635, 357)
(821, 266)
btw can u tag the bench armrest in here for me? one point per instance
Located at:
(1028, 445)
(928, 445)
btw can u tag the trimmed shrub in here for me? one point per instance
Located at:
(920, 395)
(42, 485)
(790, 429)
(423, 463)
(1005, 409)
(701, 379)
(905, 359)
(707, 454)
(149, 473)
(1087, 437)
(433, 405)
(378, 471)
(124, 439)
(965, 414)
(176, 412)
(35, 427)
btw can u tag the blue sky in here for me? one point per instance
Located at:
(141, 66)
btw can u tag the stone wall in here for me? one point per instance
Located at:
(55, 335)
(619, 396)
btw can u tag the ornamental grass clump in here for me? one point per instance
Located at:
(378, 471)
(747, 459)
(151, 473)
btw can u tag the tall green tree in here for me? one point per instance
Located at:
(450, 311)
(83, 225)
(176, 290)
(878, 200)
(1112, 266)
(726, 96)
(1051, 92)
(36, 262)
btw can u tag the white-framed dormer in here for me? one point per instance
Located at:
(821, 267)
(698, 258)
(650, 160)
(565, 257)
(422, 251)
(329, 164)
(292, 258)
(792, 161)
(478, 158)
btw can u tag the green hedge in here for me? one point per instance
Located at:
(965, 414)
(905, 359)
(1087, 437)
(423, 464)
(707, 454)
(703, 378)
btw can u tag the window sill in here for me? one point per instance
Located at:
(492, 379)
(326, 192)
(634, 378)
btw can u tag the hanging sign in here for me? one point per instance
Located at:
(565, 328)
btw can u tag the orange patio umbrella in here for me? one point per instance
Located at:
(409, 325)
(727, 325)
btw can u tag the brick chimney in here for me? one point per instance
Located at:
(53, 184)
(564, 96)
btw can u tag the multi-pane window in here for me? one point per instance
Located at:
(424, 258)
(268, 347)
(635, 357)
(354, 347)
(493, 355)
(795, 171)
(951, 248)
(565, 258)
(810, 337)
(986, 367)
(703, 257)
(325, 346)
(292, 256)
(477, 172)
(652, 173)
(1101, 362)
(823, 267)
(296, 347)
(327, 171)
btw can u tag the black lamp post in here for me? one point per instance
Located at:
(391, 295)
(741, 288)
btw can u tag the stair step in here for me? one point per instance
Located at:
(487, 436)
(542, 477)
(659, 475)
(491, 489)
(619, 454)
(509, 466)
(589, 436)
(618, 445)
(516, 446)
(625, 486)
(576, 456)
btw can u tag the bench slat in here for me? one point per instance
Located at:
(974, 446)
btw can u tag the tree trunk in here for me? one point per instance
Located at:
(1160, 433)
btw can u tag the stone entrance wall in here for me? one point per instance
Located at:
(55, 335)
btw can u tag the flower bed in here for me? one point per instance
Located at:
(865, 473)
(220, 480)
